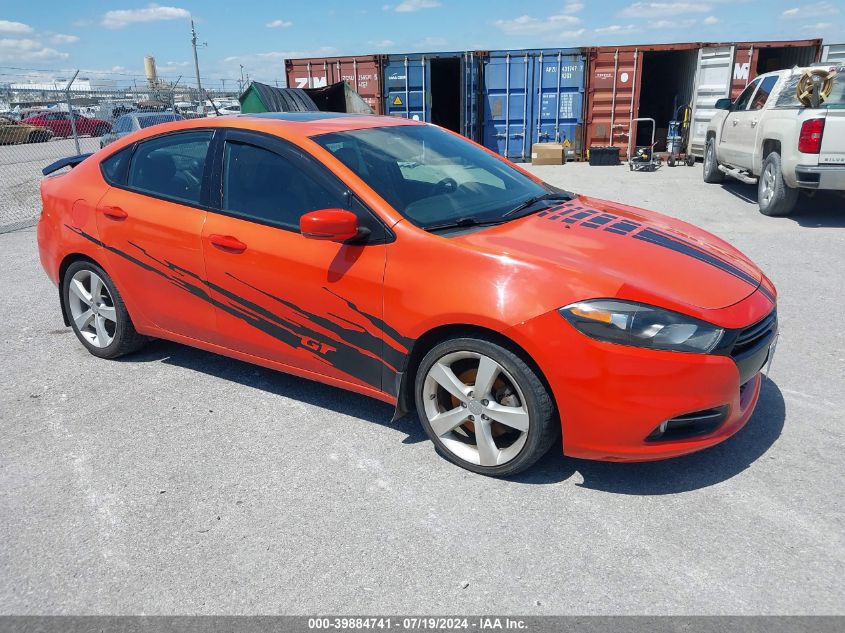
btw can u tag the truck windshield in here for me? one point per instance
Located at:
(432, 177)
(789, 99)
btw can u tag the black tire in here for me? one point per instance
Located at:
(544, 427)
(711, 164)
(690, 161)
(774, 197)
(670, 161)
(126, 338)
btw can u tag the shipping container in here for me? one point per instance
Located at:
(362, 73)
(532, 96)
(834, 53)
(628, 82)
(440, 88)
(724, 70)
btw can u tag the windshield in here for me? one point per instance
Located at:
(430, 176)
(155, 119)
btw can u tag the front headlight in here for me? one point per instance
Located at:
(629, 323)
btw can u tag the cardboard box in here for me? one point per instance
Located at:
(548, 154)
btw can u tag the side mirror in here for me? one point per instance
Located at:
(724, 104)
(337, 225)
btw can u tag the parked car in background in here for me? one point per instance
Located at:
(769, 137)
(137, 121)
(295, 241)
(13, 132)
(59, 124)
(223, 110)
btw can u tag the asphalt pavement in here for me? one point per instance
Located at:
(175, 481)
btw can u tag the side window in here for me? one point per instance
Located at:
(171, 166)
(264, 186)
(745, 97)
(114, 167)
(763, 93)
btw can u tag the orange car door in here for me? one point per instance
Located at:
(150, 222)
(310, 304)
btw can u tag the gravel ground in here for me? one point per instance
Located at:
(176, 481)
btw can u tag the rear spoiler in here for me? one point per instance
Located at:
(70, 161)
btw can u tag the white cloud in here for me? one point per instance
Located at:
(408, 6)
(571, 35)
(671, 24)
(617, 28)
(152, 13)
(711, 20)
(661, 9)
(573, 7)
(7, 26)
(816, 9)
(529, 25)
(27, 50)
(818, 26)
(279, 24)
(431, 42)
(382, 44)
(62, 38)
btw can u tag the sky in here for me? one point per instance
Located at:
(111, 38)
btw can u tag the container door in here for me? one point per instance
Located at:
(559, 98)
(712, 82)
(615, 76)
(507, 118)
(744, 68)
(470, 90)
(834, 54)
(405, 81)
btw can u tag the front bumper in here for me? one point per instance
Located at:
(612, 399)
(824, 177)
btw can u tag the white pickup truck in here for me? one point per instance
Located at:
(767, 136)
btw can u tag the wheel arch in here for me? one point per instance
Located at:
(424, 343)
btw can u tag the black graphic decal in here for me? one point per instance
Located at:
(352, 350)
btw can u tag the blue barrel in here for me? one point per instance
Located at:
(440, 88)
(533, 96)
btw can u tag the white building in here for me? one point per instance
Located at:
(82, 84)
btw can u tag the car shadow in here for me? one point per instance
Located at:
(680, 474)
(820, 209)
(279, 383)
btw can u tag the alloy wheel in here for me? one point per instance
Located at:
(92, 308)
(767, 181)
(476, 408)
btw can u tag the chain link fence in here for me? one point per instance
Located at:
(43, 122)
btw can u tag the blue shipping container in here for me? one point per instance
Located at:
(533, 96)
(440, 88)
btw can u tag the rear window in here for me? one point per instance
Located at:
(788, 97)
(155, 119)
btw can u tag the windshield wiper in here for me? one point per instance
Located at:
(549, 195)
(461, 222)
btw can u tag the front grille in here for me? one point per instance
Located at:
(752, 336)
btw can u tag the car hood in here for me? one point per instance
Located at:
(643, 254)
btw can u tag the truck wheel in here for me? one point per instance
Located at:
(711, 165)
(773, 195)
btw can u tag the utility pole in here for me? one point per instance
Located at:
(241, 85)
(201, 109)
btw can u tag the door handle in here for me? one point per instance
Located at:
(114, 213)
(754, 123)
(227, 243)
(734, 121)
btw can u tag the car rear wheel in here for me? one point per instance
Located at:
(97, 313)
(774, 197)
(712, 174)
(483, 407)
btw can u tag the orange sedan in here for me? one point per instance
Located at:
(401, 261)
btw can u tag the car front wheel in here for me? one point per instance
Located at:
(483, 407)
(774, 197)
(96, 312)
